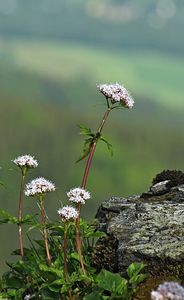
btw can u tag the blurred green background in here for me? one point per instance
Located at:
(52, 55)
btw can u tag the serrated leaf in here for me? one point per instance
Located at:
(29, 219)
(86, 149)
(135, 280)
(109, 146)
(7, 218)
(134, 269)
(85, 130)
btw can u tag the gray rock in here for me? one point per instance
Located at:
(148, 229)
(160, 187)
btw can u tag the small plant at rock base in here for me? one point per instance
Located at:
(59, 265)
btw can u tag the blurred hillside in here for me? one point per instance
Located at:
(107, 23)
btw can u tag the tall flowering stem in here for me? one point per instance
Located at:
(24, 162)
(93, 147)
(83, 186)
(78, 196)
(20, 215)
(79, 246)
(67, 213)
(45, 233)
(39, 187)
(116, 96)
(65, 253)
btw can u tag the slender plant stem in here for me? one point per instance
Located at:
(65, 260)
(78, 245)
(45, 234)
(84, 182)
(65, 253)
(20, 216)
(93, 147)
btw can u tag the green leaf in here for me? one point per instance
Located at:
(49, 295)
(134, 269)
(86, 149)
(7, 218)
(3, 185)
(12, 281)
(36, 225)
(112, 282)
(109, 146)
(75, 256)
(52, 270)
(136, 279)
(92, 296)
(29, 219)
(85, 130)
(95, 234)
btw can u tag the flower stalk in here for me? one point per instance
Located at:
(24, 162)
(83, 185)
(20, 215)
(67, 213)
(93, 147)
(116, 96)
(79, 196)
(45, 233)
(65, 252)
(65, 259)
(78, 244)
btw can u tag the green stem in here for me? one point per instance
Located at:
(45, 233)
(65, 253)
(65, 260)
(78, 245)
(20, 216)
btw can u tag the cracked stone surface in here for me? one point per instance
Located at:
(149, 228)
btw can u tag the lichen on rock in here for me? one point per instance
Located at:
(149, 228)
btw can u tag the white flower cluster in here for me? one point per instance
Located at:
(67, 213)
(117, 93)
(27, 297)
(78, 195)
(39, 186)
(168, 291)
(26, 161)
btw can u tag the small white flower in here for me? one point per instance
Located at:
(168, 291)
(116, 93)
(156, 296)
(67, 213)
(78, 195)
(27, 297)
(26, 161)
(39, 186)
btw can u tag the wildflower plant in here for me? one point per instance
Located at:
(60, 265)
(39, 187)
(24, 162)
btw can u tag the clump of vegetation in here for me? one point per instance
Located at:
(59, 265)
